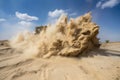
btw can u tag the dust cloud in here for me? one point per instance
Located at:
(72, 37)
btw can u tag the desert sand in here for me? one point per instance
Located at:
(101, 64)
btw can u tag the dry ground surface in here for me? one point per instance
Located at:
(102, 64)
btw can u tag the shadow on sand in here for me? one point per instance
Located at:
(104, 52)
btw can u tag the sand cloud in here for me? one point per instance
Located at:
(107, 4)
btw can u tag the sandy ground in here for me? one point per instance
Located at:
(103, 64)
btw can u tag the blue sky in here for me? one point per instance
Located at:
(21, 15)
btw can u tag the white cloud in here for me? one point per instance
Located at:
(110, 3)
(25, 23)
(107, 4)
(25, 16)
(12, 26)
(2, 19)
(56, 13)
(99, 4)
(10, 29)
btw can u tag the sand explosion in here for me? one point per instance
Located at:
(66, 38)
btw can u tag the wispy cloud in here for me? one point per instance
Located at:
(14, 25)
(25, 16)
(12, 28)
(2, 19)
(107, 3)
(73, 14)
(25, 23)
(26, 20)
(55, 14)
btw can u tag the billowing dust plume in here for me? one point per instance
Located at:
(67, 38)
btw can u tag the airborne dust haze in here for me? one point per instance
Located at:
(67, 38)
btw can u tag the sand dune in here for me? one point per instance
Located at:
(102, 64)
